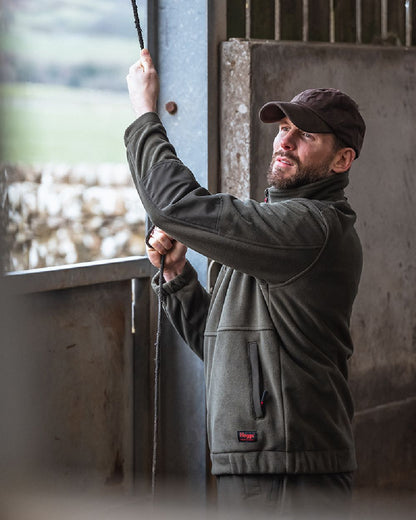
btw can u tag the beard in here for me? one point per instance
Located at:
(305, 174)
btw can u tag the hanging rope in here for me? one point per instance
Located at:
(156, 379)
(157, 376)
(137, 22)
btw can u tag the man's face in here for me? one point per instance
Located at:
(299, 157)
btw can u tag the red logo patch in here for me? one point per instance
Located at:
(247, 436)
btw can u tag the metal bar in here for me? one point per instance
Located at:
(184, 32)
(384, 18)
(217, 29)
(331, 21)
(277, 31)
(152, 27)
(76, 275)
(144, 317)
(248, 19)
(358, 22)
(305, 26)
(408, 20)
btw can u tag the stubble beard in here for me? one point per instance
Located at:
(305, 174)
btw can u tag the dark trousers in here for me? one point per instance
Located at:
(303, 497)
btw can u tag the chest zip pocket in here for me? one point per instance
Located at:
(259, 394)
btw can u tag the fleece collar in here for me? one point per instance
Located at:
(330, 188)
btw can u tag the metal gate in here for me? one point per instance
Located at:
(348, 21)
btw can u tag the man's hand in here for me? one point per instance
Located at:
(143, 84)
(163, 244)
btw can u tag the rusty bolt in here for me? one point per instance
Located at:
(171, 107)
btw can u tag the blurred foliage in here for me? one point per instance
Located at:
(112, 17)
(83, 43)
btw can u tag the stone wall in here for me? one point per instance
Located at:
(60, 214)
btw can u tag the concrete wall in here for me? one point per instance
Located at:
(383, 193)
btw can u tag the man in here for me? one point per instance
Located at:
(274, 335)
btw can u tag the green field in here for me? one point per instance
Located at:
(44, 123)
(78, 43)
(64, 95)
(71, 49)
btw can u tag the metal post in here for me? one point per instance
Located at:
(358, 22)
(217, 31)
(305, 28)
(151, 32)
(277, 33)
(331, 21)
(248, 19)
(384, 18)
(408, 17)
(186, 37)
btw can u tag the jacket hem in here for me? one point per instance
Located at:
(281, 462)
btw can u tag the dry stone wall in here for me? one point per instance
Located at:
(59, 214)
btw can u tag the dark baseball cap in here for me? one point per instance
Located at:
(321, 110)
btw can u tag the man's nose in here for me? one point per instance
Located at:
(287, 141)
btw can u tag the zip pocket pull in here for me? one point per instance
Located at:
(263, 398)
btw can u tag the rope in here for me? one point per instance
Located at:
(157, 376)
(159, 316)
(137, 22)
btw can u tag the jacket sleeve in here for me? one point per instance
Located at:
(186, 304)
(273, 242)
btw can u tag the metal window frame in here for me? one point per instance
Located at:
(384, 20)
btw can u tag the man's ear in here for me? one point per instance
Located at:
(343, 160)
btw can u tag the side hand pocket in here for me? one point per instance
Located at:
(258, 392)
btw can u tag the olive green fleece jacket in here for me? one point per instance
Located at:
(274, 335)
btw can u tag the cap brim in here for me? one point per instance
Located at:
(301, 116)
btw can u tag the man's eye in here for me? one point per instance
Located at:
(308, 136)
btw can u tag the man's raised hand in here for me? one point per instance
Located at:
(143, 85)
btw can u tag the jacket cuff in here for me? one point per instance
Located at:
(179, 282)
(149, 117)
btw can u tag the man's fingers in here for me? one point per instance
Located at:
(144, 64)
(143, 85)
(174, 252)
(133, 68)
(160, 241)
(156, 246)
(162, 237)
(174, 257)
(153, 256)
(146, 60)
